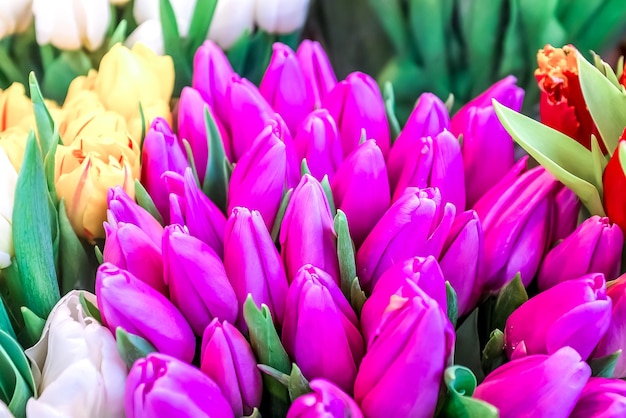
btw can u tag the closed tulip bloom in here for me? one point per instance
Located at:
(16, 17)
(415, 225)
(227, 358)
(122, 208)
(574, 313)
(253, 263)
(601, 398)
(284, 87)
(149, 33)
(318, 71)
(361, 189)
(7, 193)
(594, 247)
(281, 16)
(421, 272)
(326, 400)
(230, 21)
(401, 373)
(428, 118)
(316, 311)
(144, 10)
(159, 385)
(211, 75)
(542, 386)
(197, 280)
(258, 179)
(127, 302)
(317, 140)
(615, 338)
(614, 181)
(357, 104)
(567, 207)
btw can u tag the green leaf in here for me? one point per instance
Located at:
(98, 253)
(192, 162)
(131, 347)
(239, 51)
(200, 22)
(493, 353)
(574, 14)
(62, 71)
(511, 297)
(255, 414)
(16, 355)
(33, 325)
(74, 262)
(145, 201)
(173, 46)
(357, 296)
(391, 15)
(43, 119)
(15, 385)
(452, 304)
(605, 69)
(329, 195)
(281, 214)
(390, 109)
(142, 116)
(461, 383)
(603, 27)
(345, 253)
(511, 60)
(304, 168)
(604, 366)
(298, 385)
(599, 162)
(89, 308)
(258, 56)
(119, 34)
(5, 322)
(216, 177)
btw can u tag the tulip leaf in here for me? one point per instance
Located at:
(298, 385)
(99, 255)
(460, 384)
(281, 214)
(255, 414)
(89, 308)
(216, 177)
(33, 326)
(599, 162)
(304, 168)
(606, 102)
(145, 201)
(15, 388)
(605, 69)
(201, 19)
(62, 71)
(391, 16)
(238, 51)
(511, 296)
(452, 304)
(5, 322)
(12, 295)
(390, 109)
(173, 46)
(605, 26)
(357, 296)
(119, 34)
(74, 262)
(131, 347)
(142, 116)
(49, 164)
(345, 254)
(329, 194)
(43, 118)
(15, 354)
(604, 366)
(510, 60)
(192, 162)
(493, 353)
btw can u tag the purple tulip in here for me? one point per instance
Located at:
(279, 128)
(258, 180)
(130, 248)
(284, 86)
(161, 152)
(361, 189)
(540, 386)
(494, 194)
(615, 337)
(198, 283)
(226, 357)
(159, 385)
(407, 275)
(594, 247)
(601, 398)
(212, 73)
(488, 151)
(428, 118)
(356, 104)
(321, 331)
(307, 234)
(401, 373)
(127, 302)
(253, 263)
(566, 207)
(318, 72)
(326, 400)
(462, 260)
(574, 313)
(317, 140)
(415, 225)
(124, 209)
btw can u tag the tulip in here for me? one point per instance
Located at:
(488, 151)
(231, 20)
(462, 259)
(159, 385)
(145, 10)
(76, 365)
(16, 17)
(542, 386)
(307, 234)
(258, 180)
(361, 189)
(284, 87)
(428, 118)
(161, 152)
(402, 371)
(5, 412)
(212, 73)
(127, 302)
(495, 193)
(7, 191)
(281, 16)
(567, 207)
(84, 118)
(149, 33)
(316, 311)
(601, 398)
(253, 263)
(13, 144)
(197, 280)
(415, 225)
(615, 339)
(356, 104)
(407, 275)
(70, 24)
(594, 247)
(318, 72)
(122, 208)
(15, 106)
(317, 140)
(325, 400)
(229, 361)
(614, 181)
(574, 313)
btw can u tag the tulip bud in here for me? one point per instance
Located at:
(317, 140)
(16, 17)
(197, 280)
(149, 33)
(211, 75)
(325, 398)
(258, 179)
(594, 247)
(144, 10)
(122, 208)
(407, 275)
(159, 385)
(7, 193)
(281, 16)
(356, 104)
(127, 302)
(307, 234)
(428, 118)
(567, 207)
(402, 371)
(361, 189)
(579, 319)
(253, 263)
(230, 21)
(614, 182)
(615, 338)
(161, 152)
(284, 87)
(601, 398)
(229, 361)
(316, 310)
(318, 72)
(537, 385)
(415, 225)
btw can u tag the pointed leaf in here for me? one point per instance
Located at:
(493, 353)
(131, 347)
(173, 46)
(304, 168)
(43, 119)
(33, 325)
(17, 357)
(216, 177)
(511, 297)
(452, 304)
(329, 195)
(345, 253)
(298, 385)
(357, 296)
(75, 266)
(60, 73)
(145, 201)
(89, 308)
(119, 34)
(390, 109)
(604, 366)
(5, 322)
(201, 18)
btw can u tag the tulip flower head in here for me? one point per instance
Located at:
(326, 398)
(614, 181)
(615, 338)
(7, 193)
(318, 71)
(601, 397)
(122, 208)
(211, 75)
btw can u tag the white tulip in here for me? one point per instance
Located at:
(119, 2)
(150, 34)
(15, 16)
(4, 411)
(145, 10)
(70, 24)
(8, 179)
(281, 16)
(231, 19)
(76, 365)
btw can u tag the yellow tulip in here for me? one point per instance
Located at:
(13, 142)
(14, 106)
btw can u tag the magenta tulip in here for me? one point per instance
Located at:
(602, 398)
(318, 72)
(325, 400)
(615, 337)
(124, 209)
(317, 140)
(212, 73)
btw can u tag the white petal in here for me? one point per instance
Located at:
(150, 34)
(231, 19)
(281, 16)
(55, 23)
(95, 22)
